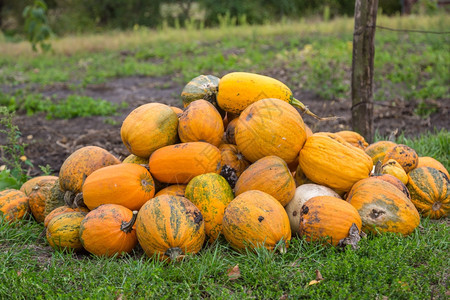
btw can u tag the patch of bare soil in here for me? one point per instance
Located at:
(51, 141)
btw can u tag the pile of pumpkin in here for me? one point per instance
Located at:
(238, 161)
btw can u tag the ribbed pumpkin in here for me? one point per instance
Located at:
(181, 162)
(28, 186)
(129, 185)
(233, 163)
(211, 193)
(308, 131)
(63, 231)
(377, 151)
(338, 165)
(383, 207)
(302, 194)
(109, 230)
(201, 87)
(393, 168)
(62, 210)
(44, 197)
(395, 182)
(270, 127)
(426, 161)
(230, 131)
(133, 159)
(79, 165)
(256, 219)
(201, 121)
(430, 192)
(149, 127)
(169, 227)
(13, 205)
(353, 138)
(327, 219)
(173, 190)
(271, 175)
(404, 155)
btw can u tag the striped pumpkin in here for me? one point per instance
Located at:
(63, 231)
(13, 205)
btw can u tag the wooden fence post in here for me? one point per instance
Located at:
(362, 67)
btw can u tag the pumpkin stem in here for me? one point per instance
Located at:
(127, 227)
(377, 170)
(174, 253)
(303, 108)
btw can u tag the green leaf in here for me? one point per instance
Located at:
(7, 181)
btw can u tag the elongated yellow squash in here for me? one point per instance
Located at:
(237, 90)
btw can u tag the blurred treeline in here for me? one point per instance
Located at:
(77, 16)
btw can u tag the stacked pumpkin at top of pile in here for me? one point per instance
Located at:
(238, 161)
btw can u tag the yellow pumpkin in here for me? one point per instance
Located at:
(393, 168)
(354, 138)
(404, 155)
(377, 151)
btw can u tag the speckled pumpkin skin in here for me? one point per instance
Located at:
(233, 160)
(395, 182)
(383, 207)
(168, 222)
(404, 155)
(271, 175)
(270, 127)
(27, 187)
(327, 219)
(101, 231)
(254, 219)
(63, 231)
(62, 210)
(201, 87)
(201, 121)
(13, 205)
(130, 185)
(430, 192)
(181, 162)
(426, 161)
(80, 164)
(393, 168)
(377, 151)
(173, 190)
(230, 131)
(133, 159)
(211, 193)
(44, 197)
(149, 127)
(353, 138)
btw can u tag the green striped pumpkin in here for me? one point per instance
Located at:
(13, 205)
(63, 231)
(429, 189)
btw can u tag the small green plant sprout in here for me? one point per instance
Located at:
(37, 29)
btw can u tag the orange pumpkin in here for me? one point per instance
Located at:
(308, 131)
(201, 122)
(177, 110)
(230, 131)
(181, 162)
(169, 227)
(404, 155)
(333, 163)
(28, 186)
(353, 138)
(430, 192)
(109, 230)
(327, 219)
(129, 185)
(256, 219)
(377, 151)
(13, 205)
(270, 127)
(383, 207)
(44, 197)
(63, 231)
(62, 210)
(426, 161)
(173, 190)
(211, 193)
(149, 127)
(233, 163)
(271, 175)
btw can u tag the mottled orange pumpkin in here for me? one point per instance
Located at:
(31, 183)
(271, 175)
(353, 138)
(327, 219)
(63, 231)
(181, 162)
(129, 185)
(201, 122)
(149, 127)
(394, 181)
(80, 164)
(173, 190)
(44, 197)
(383, 207)
(62, 210)
(430, 192)
(211, 193)
(233, 163)
(393, 168)
(177, 110)
(169, 227)
(377, 151)
(256, 219)
(13, 205)
(230, 131)
(133, 159)
(270, 127)
(426, 161)
(404, 155)
(330, 162)
(109, 230)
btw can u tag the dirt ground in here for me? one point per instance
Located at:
(51, 141)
